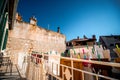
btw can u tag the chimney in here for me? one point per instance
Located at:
(58, 29)
(18, 17)
(33, 20)
(93, 37)
(85, 37)
(78, 37)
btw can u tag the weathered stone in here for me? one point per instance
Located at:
(25, 38)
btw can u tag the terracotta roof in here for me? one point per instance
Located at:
(82, 39)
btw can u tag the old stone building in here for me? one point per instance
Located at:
(86, 48)
(28, 37)
(81, 42)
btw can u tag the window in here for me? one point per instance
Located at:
(111, 44)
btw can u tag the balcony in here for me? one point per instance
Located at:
(54, 67)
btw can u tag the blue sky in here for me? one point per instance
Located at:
(74, 17)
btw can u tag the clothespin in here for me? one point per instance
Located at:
(117, 46)
(92, 50)
(87, 47)
(98, 55)
(68, 52)
(74, 51)
(99, 44)
(62, 54)
(84, 56)
(93, 47)
(78, 56)
(83, 51)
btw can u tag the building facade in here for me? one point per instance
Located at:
(81, 42)
(86, 48)
(28, 37)
(110, 42)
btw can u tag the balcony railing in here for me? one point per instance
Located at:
(46, 68)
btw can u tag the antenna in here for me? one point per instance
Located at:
(48, 26)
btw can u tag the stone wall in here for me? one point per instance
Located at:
(25, 38)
